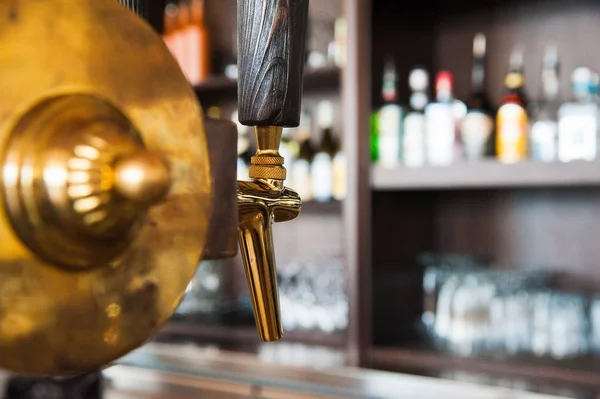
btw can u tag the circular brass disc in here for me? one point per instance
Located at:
(57, 321)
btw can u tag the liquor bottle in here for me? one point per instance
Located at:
(322, 165)
(198, 45)
(440, 123)
(544, 131)
(183, 23)
(390, 118)
(244, 150)
(340, 173)
(578, 120)
(300, 170)
(512, 118)
(413, 146)
(374, 136)
(341, 36)
(173, 36)
(478, 125)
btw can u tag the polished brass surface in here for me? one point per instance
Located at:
(260, 203)
(95, 180)
(91, 99)
(143, 177)
(267, 163)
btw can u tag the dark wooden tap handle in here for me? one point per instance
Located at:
(272, 36)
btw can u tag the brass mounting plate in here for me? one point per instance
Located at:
(53, 320)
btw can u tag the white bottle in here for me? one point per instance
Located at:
(544, 131)
(440, 124)
(301, 180)
(340, 176)
(578, 121)
(243, 146)
(413, 145)
(390, 119)
(322, 166)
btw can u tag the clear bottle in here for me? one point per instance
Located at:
(340, 173)
(390, 118)
(512, 121)
(440, 123)
(544, 131)
(244, 149)
(300, 170)
(198, 44)
(172, 35)
(322, 165)
(477, 127)
(578, 120)
(413, 145)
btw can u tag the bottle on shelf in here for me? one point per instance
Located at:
(289, 151)
(322, 165)
(300, 170)
(477, 127)
(441, 123)
(183, 23)
(413, 145)
(374, 136)
(198, 44)
(244, 149)
(340, 173)
(341, 36)
(544, 130)
(578, 125)
(512, 123)
(390, 118)
(173, 35)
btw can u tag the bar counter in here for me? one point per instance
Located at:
(174, 371)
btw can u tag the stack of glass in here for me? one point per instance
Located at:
(313, 296)
(470, 310)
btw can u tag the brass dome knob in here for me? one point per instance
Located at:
(92, 184)
(142, 177)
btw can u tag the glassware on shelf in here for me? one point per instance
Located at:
(204, 295)
(471, 310)
(312, 295)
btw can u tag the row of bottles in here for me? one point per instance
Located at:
(448, 130)
(187, 37)
(316, 172)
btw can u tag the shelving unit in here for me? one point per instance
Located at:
(244, 334)
(579, 373)
(487, 175)
(223, 88)
(521, 216)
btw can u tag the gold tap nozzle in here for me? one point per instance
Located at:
(260, 203)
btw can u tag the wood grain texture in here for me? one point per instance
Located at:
(272, 36)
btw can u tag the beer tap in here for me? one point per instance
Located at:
(271, 42)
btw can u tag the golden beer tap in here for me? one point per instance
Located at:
(271, 41)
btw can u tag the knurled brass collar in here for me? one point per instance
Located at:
(268, 163)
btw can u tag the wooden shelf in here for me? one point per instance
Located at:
(487, 175)
(322, 208)
(243, 334)
(317, 79)
(580, 372)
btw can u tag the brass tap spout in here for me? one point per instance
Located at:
(261, 202)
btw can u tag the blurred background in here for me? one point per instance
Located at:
(447, 156)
